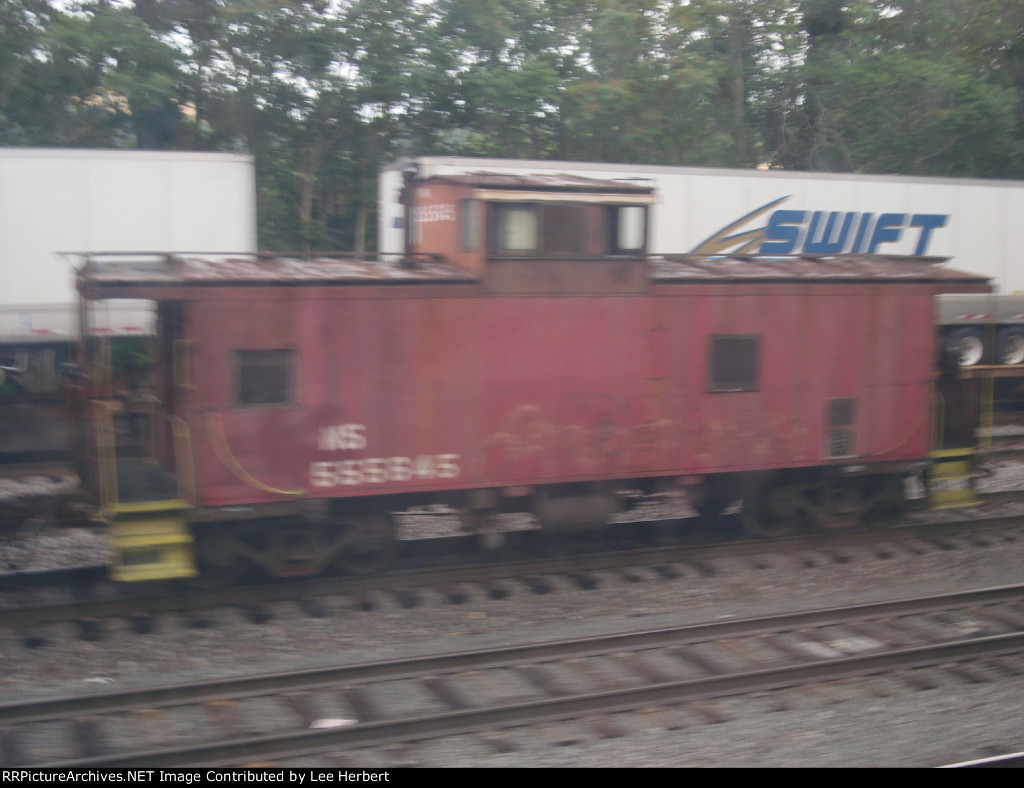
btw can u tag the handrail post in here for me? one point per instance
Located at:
(184, 467)
(106, 454)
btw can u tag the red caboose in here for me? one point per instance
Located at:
(525, 354)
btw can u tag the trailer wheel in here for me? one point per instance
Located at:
(1010, 345)
(969, 344)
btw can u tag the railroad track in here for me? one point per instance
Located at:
(975, 636)
(1013, 760)
(142, 607)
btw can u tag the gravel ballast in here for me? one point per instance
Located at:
(881, 722)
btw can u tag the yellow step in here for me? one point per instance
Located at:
(951, 479)
(152, 541)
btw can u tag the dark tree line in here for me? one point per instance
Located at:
(323, 92)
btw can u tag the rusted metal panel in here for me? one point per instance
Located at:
(167, 270)
(427, 384)
(815, 348)
(567, 277)
(443, 219)
(398, 393)
(107, 272)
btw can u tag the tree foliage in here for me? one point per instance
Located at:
(324, 92)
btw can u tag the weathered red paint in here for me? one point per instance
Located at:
(530, 390)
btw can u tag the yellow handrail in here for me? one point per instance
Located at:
(938, 420)
(106, 453)
(184, 467)
(986, 416)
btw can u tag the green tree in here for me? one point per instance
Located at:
(324, 92)
(93, 76)
(23, 25)
(901, 88)
(492, 76)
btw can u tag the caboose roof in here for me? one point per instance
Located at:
(544, 182)
(836, 269)
(112, 276)
(155, 270)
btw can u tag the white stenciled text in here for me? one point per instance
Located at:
(373, 470)
(429, 214)
(381, 470)
(342, 437)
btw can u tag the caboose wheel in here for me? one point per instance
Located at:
(370, 546)
(888, 499)
(773, 510)
(710, 498)
(221, 564)
(840, 506)
(481, 523)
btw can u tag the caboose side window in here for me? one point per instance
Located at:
(562, 229)
(517, 229)
(470, 225)
(734, 363)
(263, 377)
(628, 231)
(841, 412)
(842, 416)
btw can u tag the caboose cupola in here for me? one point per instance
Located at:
(537, 234)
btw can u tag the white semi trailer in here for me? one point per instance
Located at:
(56, 200)
(977, 224)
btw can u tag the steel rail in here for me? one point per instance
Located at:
(1014, 760)
(314, 678)
(311, 742)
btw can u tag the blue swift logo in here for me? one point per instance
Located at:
(821, 232)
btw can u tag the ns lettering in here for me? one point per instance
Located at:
(342, 437)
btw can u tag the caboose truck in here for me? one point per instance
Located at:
(525, 354)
